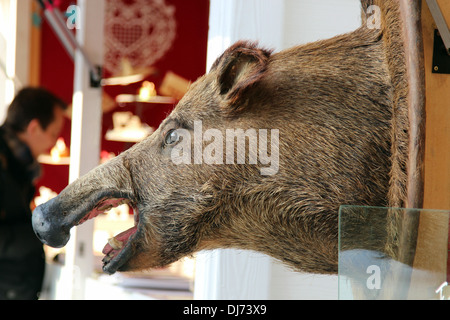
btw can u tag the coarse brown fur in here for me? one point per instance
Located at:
(340, 108)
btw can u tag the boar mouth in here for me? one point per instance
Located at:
(119, 248)
(53, 228)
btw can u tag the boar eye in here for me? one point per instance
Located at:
(172, 137)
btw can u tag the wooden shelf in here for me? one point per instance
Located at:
(131, 98)
(47, 159)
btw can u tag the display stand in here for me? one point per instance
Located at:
(370, 254)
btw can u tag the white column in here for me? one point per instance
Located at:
(85, 144)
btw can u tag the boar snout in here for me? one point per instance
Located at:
(52, 233)
(91, 195)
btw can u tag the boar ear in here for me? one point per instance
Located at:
(240, 68)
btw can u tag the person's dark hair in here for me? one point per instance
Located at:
(32, 103)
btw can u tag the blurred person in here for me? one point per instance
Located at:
(33, 123)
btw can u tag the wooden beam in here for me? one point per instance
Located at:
(35, 48)
(432, 240)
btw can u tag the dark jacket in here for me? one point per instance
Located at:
(22, 260)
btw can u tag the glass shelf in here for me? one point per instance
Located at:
(393, 254)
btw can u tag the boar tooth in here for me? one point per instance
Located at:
(115, 244)
(108, 257)
(124, 201)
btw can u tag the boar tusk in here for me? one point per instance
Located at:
(115, 244)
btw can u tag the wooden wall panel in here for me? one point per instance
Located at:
(432, 242)
(437, 151)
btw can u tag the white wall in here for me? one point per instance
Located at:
(310, 20)
(15, 24)
(233, 20)
(276, 24)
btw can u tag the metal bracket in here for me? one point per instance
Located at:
(441, 60)
(441, 49)
(440, 23)
(95, 77)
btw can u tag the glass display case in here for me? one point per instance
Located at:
(390, 253)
